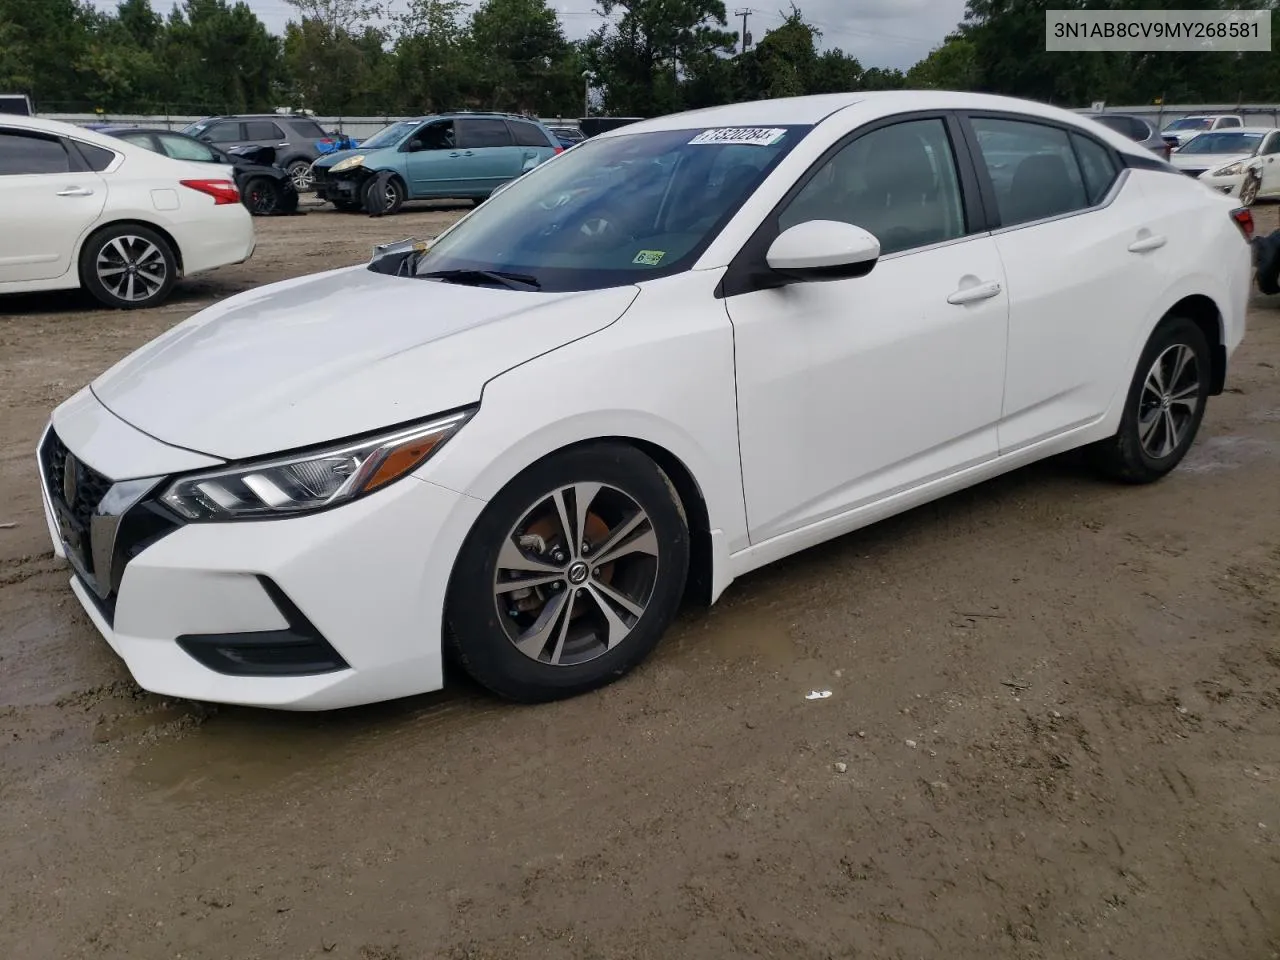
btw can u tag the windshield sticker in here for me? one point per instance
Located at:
(756, 136)
(649, 258)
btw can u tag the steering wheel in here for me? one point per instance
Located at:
(597, 227)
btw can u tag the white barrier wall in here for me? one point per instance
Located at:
(358, 127)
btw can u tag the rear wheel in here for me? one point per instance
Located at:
(570, 576)
(128, 266)
(1164, 406)
(263, 197)
(300, 173)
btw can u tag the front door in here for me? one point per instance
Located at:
(435, 164)
(852, 390)
(47, 205)
(1269, 166)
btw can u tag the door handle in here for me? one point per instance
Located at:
(75, 192)
(1147, 244)
(979, 291)
(455, 153)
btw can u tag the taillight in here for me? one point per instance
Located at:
(1244, 220)
(222, 191)
(559, 149)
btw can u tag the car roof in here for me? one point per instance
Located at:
(60, 128)
(813, 109)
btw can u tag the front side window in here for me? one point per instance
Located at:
(434, 136)
(180, 148)
(1032, 168)
(615, 210)
(1272, 144)
(474, 134)
(898, 182)
(262, 130)
(1224, 142)
(22, 153)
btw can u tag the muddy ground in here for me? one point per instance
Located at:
(1054, 731)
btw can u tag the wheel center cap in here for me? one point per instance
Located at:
(1164, 402)
(578, 572)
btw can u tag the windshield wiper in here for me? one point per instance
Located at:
(512, 281)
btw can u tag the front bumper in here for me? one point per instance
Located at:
(1228, 186)
(314, 612)
(340, 187)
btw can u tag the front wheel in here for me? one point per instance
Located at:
(570, 576)
(128, 266)
(1249, 190)
(262, 197)
(1164, 406)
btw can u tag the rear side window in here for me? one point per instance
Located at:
(262, 130)
(527, 135)
(1032, 168)
(97, 158)
(22, 152)
(226, 132)
(1097, 167)
(483, 133)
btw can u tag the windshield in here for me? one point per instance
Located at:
(390, 136)
(615, 210)
(1221, 142)
(1190, 123)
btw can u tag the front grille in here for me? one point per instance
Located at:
(140, 526)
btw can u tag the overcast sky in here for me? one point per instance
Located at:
(880, 33)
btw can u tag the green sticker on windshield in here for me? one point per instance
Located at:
(649, 258)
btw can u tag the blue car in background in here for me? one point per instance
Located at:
(462, 156)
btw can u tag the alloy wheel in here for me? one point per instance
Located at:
(1169, 401)
(576, 573)
(131, 268)
(302, 177)
(1249, 192)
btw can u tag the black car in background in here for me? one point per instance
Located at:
(297, 139)
(265, 188)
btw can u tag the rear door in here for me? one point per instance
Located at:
(1081, 255)
(267, 133)
(50, 197)
(491, 156)
(535, 146)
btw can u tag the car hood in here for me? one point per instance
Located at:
(329, 159)
(1206, 161)
(337, 354)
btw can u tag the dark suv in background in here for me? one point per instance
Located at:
(295, 138)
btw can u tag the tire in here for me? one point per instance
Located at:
(128, 266)
(263, 197)
(1141, 450)
(300, 173)
(1249, 190)
(392, 194)
(395, 196)
(601, 638)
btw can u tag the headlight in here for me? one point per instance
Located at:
(310, 481)
(1230, 170)
(347, 164)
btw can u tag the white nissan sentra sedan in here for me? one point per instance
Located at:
(671, 355)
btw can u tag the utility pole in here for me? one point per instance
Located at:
(746, 37)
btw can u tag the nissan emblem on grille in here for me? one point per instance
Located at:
(69, 480)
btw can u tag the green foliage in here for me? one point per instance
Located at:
(369, 57)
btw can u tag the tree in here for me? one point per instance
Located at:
(951, 66)
(431, 68)
(44, 41)
(641, 61)
(520, 58)
(220, 57)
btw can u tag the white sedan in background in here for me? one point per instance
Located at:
(1239, 163)
(678, 352)
(80, 209)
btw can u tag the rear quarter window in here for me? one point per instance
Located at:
(96, 158)
(1098, 167)
(528, 135)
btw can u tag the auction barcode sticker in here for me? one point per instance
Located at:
(757, 136)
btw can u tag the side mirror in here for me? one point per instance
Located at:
(823, 250)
